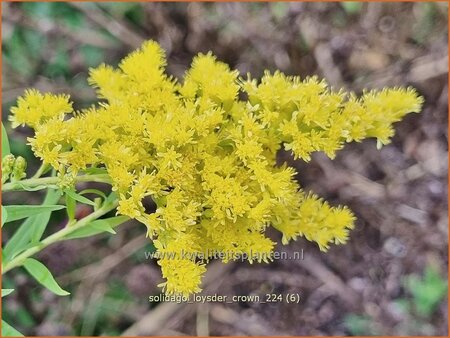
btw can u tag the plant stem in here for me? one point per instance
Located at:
(57, 236)
(47, 181)
(41, 170)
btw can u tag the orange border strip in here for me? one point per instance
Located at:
(168, 1)
(393, 1)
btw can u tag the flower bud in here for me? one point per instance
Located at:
(18, 172)
(7, 166)
(66, 180)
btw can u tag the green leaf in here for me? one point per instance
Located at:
(5, 142)
(98, 226)
(6, 292)
(43, 276)
(358, 325)
(427, 292)
(352, 7)
(102, 225)
(30, 230)
(4, 215)
(71, 207)
(94, 191)
(42, 220)
(36, 188)
(16, 212)
(79, 198)
(9, 331)
(279, 10)
(25, 247)
(111, 198)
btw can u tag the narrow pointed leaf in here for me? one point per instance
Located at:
(98, 226)
(71, 205)
(6, 292)
(36, 188)
(111, 197)
(5, 142)
(94, 191)
(16, 212)
(79, 198)
(31, 229)
(43, 275)
(43, 219)
(9, 331)
(102, 225)
(4, 215)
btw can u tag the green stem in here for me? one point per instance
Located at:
(47, 181)
(57, 236)
(41, 170)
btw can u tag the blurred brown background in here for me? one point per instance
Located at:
(389, 279)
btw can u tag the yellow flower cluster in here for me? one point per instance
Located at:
(207, 157)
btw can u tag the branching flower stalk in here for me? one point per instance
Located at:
(51, 182)
(204, 156)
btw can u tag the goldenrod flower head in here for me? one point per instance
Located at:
(208, 158)
(35, 108)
